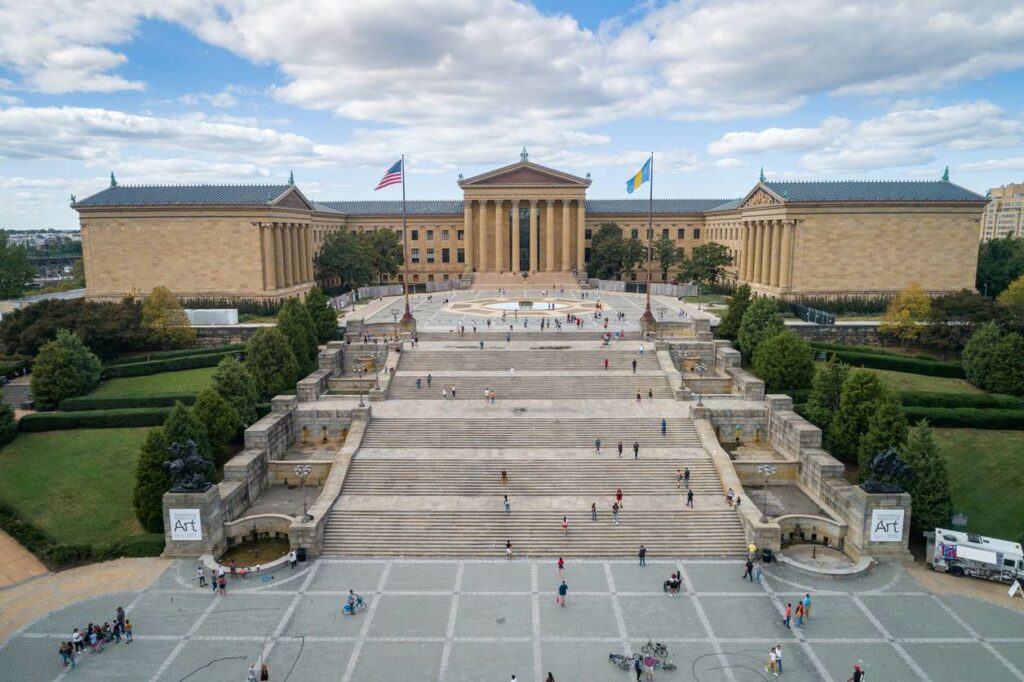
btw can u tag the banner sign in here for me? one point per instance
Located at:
(186, 524)
(886, 525)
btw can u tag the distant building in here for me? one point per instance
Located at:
(1004, 214)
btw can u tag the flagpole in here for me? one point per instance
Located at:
(407, 318)
(648, 317)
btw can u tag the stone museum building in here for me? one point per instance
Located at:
(787, 239)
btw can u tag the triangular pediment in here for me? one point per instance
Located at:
(760, 196)
(293, 198)
(524, 173)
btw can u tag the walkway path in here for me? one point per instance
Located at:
(16, 562)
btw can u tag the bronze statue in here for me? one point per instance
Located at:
(188, 471)
(887, 472)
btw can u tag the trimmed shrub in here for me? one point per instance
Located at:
(114, 403)
(967, 417)
(64, 368)
(232, 381)
(151, 481)
(820, 345)
(979, 401)
(8, 424)
(271, 363)
(135, 358)
(245, 306)
(761, 321)
(93, 419)
(784, 361)
(896, 363)
(138, 369)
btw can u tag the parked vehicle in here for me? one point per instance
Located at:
(960, 554)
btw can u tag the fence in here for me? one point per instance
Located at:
(676, 290)
(813, 315)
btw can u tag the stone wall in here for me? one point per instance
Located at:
(275, 432)
(747, 423)
(844, 334)
(221, 335)
(314, 385)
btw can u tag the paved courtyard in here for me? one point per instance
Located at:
(485, 620)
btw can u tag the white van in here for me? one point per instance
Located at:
(959, 554)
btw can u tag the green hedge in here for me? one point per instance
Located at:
(116, 403)
(244, 306)
(94, 419)
(967, 417)
(136, 358)
(953, 400)
(819, 345)
(897, 363)
(138, 369)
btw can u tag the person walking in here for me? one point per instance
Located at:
(689, 499)
(649, 662)
(807, 606)
(453, 391)
(858, 674)
(789, 615)
(686, 477)
(508, 506)
(597, 445)
(128, 631)
(679, 477)
(293, 559)
(444, 393)
(119, 619)
(549, 678)
(778, 659)
(770, 667)
(638, 667)
(201, 574)
(222, 585)
(799, 614)
(643, 555)
(419, 383)
(749, 573)
(487, 395)
(650, 396)
(615, 513)
(76, 640)
(618, 496)
(620, 448)
(638, 397)
(759, 573)
(562, 590)
(593, 511)
(252, 674)
(565, 525)
(634, 365)
(561, 567)
(65, 652)
(508, 549)
(636, 449)
(429, 379)
(504, 477)
(606, 363)
(664, 424)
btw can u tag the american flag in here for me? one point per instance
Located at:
(392, 177)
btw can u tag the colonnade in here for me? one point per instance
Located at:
(493, 240)
(287, 250)
(767, 255)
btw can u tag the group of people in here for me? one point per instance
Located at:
(801, 613)
(96, 636)
(636, 444)
(732, 499)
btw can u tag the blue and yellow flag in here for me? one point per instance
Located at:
(643, 175)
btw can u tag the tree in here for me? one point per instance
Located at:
(386, 252)
(8, 424)
(218, 417)
(862, 391)
(1006, 369)
(634, 254)
(295, 322)
(346, 256)
(108, 329)
(929, 487)
(64, 368)
(16, 270)
(707, 264)
(271, 362)
(826, 390)
(183, 425)
(979, 352)
(234, 383)
(667, 254)
(78, 274)
(906, 314)
(954, 317)
(1012, 301)
(1000, 261)
(760, 321)
(738, 304)
(165, 321)
(784, 361)
(151, 481)
(325, 319)
(606, 250)
(886, 427)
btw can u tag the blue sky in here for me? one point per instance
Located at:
(187, 91)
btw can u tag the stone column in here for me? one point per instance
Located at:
(549, 249)
(269, 264)
(307, 253)
(297, 252)
(285, 260)
(534, 235)
(482, 246)
(300, 252)
(776, 252)
(581, 230)
(514, 204)
(786, 272)
(766, 252)
(742, 263)
(758, 248)
(499, 233)
(467, 220)
(566, 253)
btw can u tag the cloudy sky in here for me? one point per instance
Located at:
(187, 91)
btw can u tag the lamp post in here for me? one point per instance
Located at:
(766, 470)
(661, 324)
(378, 368)
(700, 369)
(302, 471)
(698, 297)
(394, 316)
(361, 369)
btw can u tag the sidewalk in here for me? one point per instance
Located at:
(16, 562)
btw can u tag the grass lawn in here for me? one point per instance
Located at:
(986, 476)
(185, 381)
(76, 485)
(902, 381)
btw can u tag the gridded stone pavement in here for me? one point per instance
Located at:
(484, 620)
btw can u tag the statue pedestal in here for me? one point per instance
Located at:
(879, 526)
(194, 523)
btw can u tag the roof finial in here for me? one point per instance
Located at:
(291, 178)
(73, 200)
(523, 155)
(761, 179)
(113, 180)
(945, 175)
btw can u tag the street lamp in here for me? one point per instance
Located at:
(361, 369)
(766, 470)
(698, 297)
(700, 369)
(661, 316)
(302, 471)
(378, 367)
(394, 316)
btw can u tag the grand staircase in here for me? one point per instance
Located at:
(539, 359)
(591, 386)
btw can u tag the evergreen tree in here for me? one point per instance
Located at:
(886, 427)
(1006, 371)
(182, 425)
(295, 322)
(165, 321)
(978, 353)
(151, 482)
(234, 383)
(64, 368)
(706, 265)
(324, 317)
(760, 321)
(826, 389)
(738, 304)
(862, 391)
(784, 361)
(929, 488)
(218, 417)
(271, 363)
(8, 424)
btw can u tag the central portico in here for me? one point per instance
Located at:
(525, 218)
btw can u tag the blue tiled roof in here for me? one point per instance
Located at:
(727, 206)
(873, 190)
(393, 208)
(185, 195)
(661, 206)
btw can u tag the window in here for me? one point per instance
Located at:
(430, 278)
(586, 233)
(401, 236)
(446, 256)
(430, 255)
(444, 235)
(415, 278)
(460, 256)
(415, 235)
(696, 233)
(460, 235)
(430, 235)
(681, 233)
(415, 258)
(664, 233)
(632, 276)
(634, 233)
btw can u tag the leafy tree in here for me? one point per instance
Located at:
(929, 488)
(1006, 369)
(826, 390)
(667, 254)
(1012, 301)
(78, 274)
(784, 361)
(1000, 261)
(151, 482)
(385, 250)
(760, 321)
(182, 425)
(8, 424)
(906, 314)
(606, 251)
(979, 353)
(886, 426)
(634, 254)
(107, 328)
(348, 257)
(862, 391)
(295, 322)
(271, 362)
(165, 320)
(234, 383)
(738, 304)
(64, 368)
(16, 270)
(324, 317)
(707, 264)
(954, 317)
(218, 417)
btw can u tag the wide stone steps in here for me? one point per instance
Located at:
(524, 360)
(459, 477)
(529, 432)
(560, 387)
(453, 533)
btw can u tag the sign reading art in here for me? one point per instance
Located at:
(886, 525)
(186, 524)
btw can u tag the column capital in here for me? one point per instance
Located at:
(551, 202)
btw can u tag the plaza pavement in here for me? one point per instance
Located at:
(487, 619)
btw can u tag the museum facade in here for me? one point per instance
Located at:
(787, 239)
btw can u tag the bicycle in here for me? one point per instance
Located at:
(624, 662)
(351, 609)
(656, 648)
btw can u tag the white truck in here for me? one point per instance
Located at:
(959, 554)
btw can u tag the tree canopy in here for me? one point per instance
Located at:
(325, 318)
(218, 417)
(271, 362)
(360, 258)
(706, 265)
(760, 321)
(826, 391)
(929, 488)
(729, 326)
(611, 255)
(108, 329)
(386, 256)
(954, 317)
(1000, 261)
(234, 383)
(784, 361)
(16, 270)
(151, 481)
(64, 368)
(907, 313)
(297, 325)
(667, 254)
(165, 321)
(1012, 301)
(861, 393)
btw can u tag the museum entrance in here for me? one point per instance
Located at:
(523, 225)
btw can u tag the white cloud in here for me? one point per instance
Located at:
(730, 163)
(778, 139)
(1014, 163)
